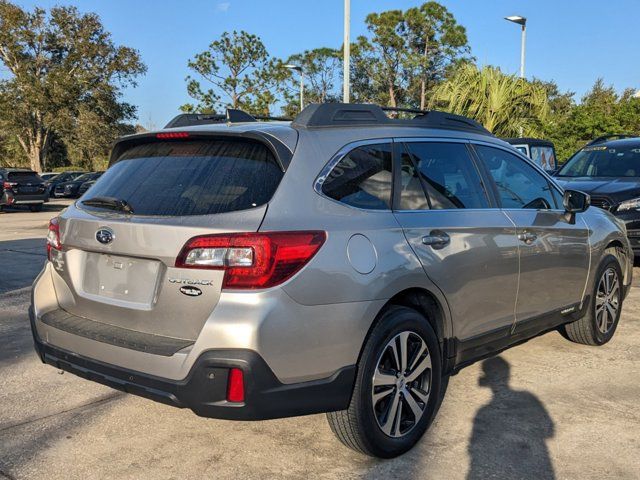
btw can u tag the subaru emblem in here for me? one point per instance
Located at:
(105, 236)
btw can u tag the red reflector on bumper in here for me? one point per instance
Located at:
(235, 387)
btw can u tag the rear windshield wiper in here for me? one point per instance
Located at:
(108, 202)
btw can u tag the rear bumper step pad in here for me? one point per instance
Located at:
(112, 335)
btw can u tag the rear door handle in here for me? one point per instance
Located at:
(527, 237)
(436, 240)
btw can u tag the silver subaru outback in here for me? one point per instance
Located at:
(345, 262)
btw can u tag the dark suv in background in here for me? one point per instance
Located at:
(61, 178)
(608, 169)
(71, 189)
(19, 186)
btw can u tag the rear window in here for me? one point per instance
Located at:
(191, 177)
(23, 177)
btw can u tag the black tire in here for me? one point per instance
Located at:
(358, 427)
(36, 208)
(585, 330)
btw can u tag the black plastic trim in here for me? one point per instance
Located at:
(114, 335)
(360, 114)
(492, 343)
(204, 388)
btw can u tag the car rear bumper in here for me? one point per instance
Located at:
(12, 199)
(204, 390)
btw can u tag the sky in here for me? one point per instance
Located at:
(573, 42)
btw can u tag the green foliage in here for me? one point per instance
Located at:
(506, 105)
(406, 55)
(601, 112)
(322, 69)
(62, 63)
(241, 74)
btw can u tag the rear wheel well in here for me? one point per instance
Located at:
(421, 300)
(424, 302)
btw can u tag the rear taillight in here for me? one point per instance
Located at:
(9, 185)
(235, 386)
(252, 260)
(53, 237)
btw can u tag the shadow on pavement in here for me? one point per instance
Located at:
(510, 432)
(21, 262)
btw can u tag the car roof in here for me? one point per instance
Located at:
(620, 142)
(529, 141)
(329, 118)
(16, 169)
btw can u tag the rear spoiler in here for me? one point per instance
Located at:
(233, 115)
(279, 150)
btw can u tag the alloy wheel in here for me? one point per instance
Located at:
(401, 384)
(607, 300)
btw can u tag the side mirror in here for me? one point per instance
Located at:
(575, 201)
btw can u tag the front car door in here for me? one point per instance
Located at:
(468, 248)
(553, 247)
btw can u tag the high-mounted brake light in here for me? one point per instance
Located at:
(53, 237)
(171, 135)
(252, 260)
(235, 386)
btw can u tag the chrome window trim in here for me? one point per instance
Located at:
(336, 158)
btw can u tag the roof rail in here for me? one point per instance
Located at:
(233, 115)
(604, 138)
(359, 114)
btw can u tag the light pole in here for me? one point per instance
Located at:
(523, 23)
(298, 69)
(347, 52)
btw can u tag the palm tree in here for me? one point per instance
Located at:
(506, 105)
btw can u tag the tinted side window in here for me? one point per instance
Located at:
(447, 173)
(362, 178)
(519, 184)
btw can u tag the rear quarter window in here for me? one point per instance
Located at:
(362, 178)
(192, 177)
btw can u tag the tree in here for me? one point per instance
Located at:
(60, 62)
(406, 55)
(436, 43)
(601, 112)
(95, 127)
(322, 69)
(241, 72)
(506, 105)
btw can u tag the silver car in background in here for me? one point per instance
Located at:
(345, 262)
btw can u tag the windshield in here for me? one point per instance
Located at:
(603, 161)
(190, 178)
(85, 177)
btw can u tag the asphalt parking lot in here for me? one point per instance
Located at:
(546, 409)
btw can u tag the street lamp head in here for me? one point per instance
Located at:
(517, 19)
(291, 66)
